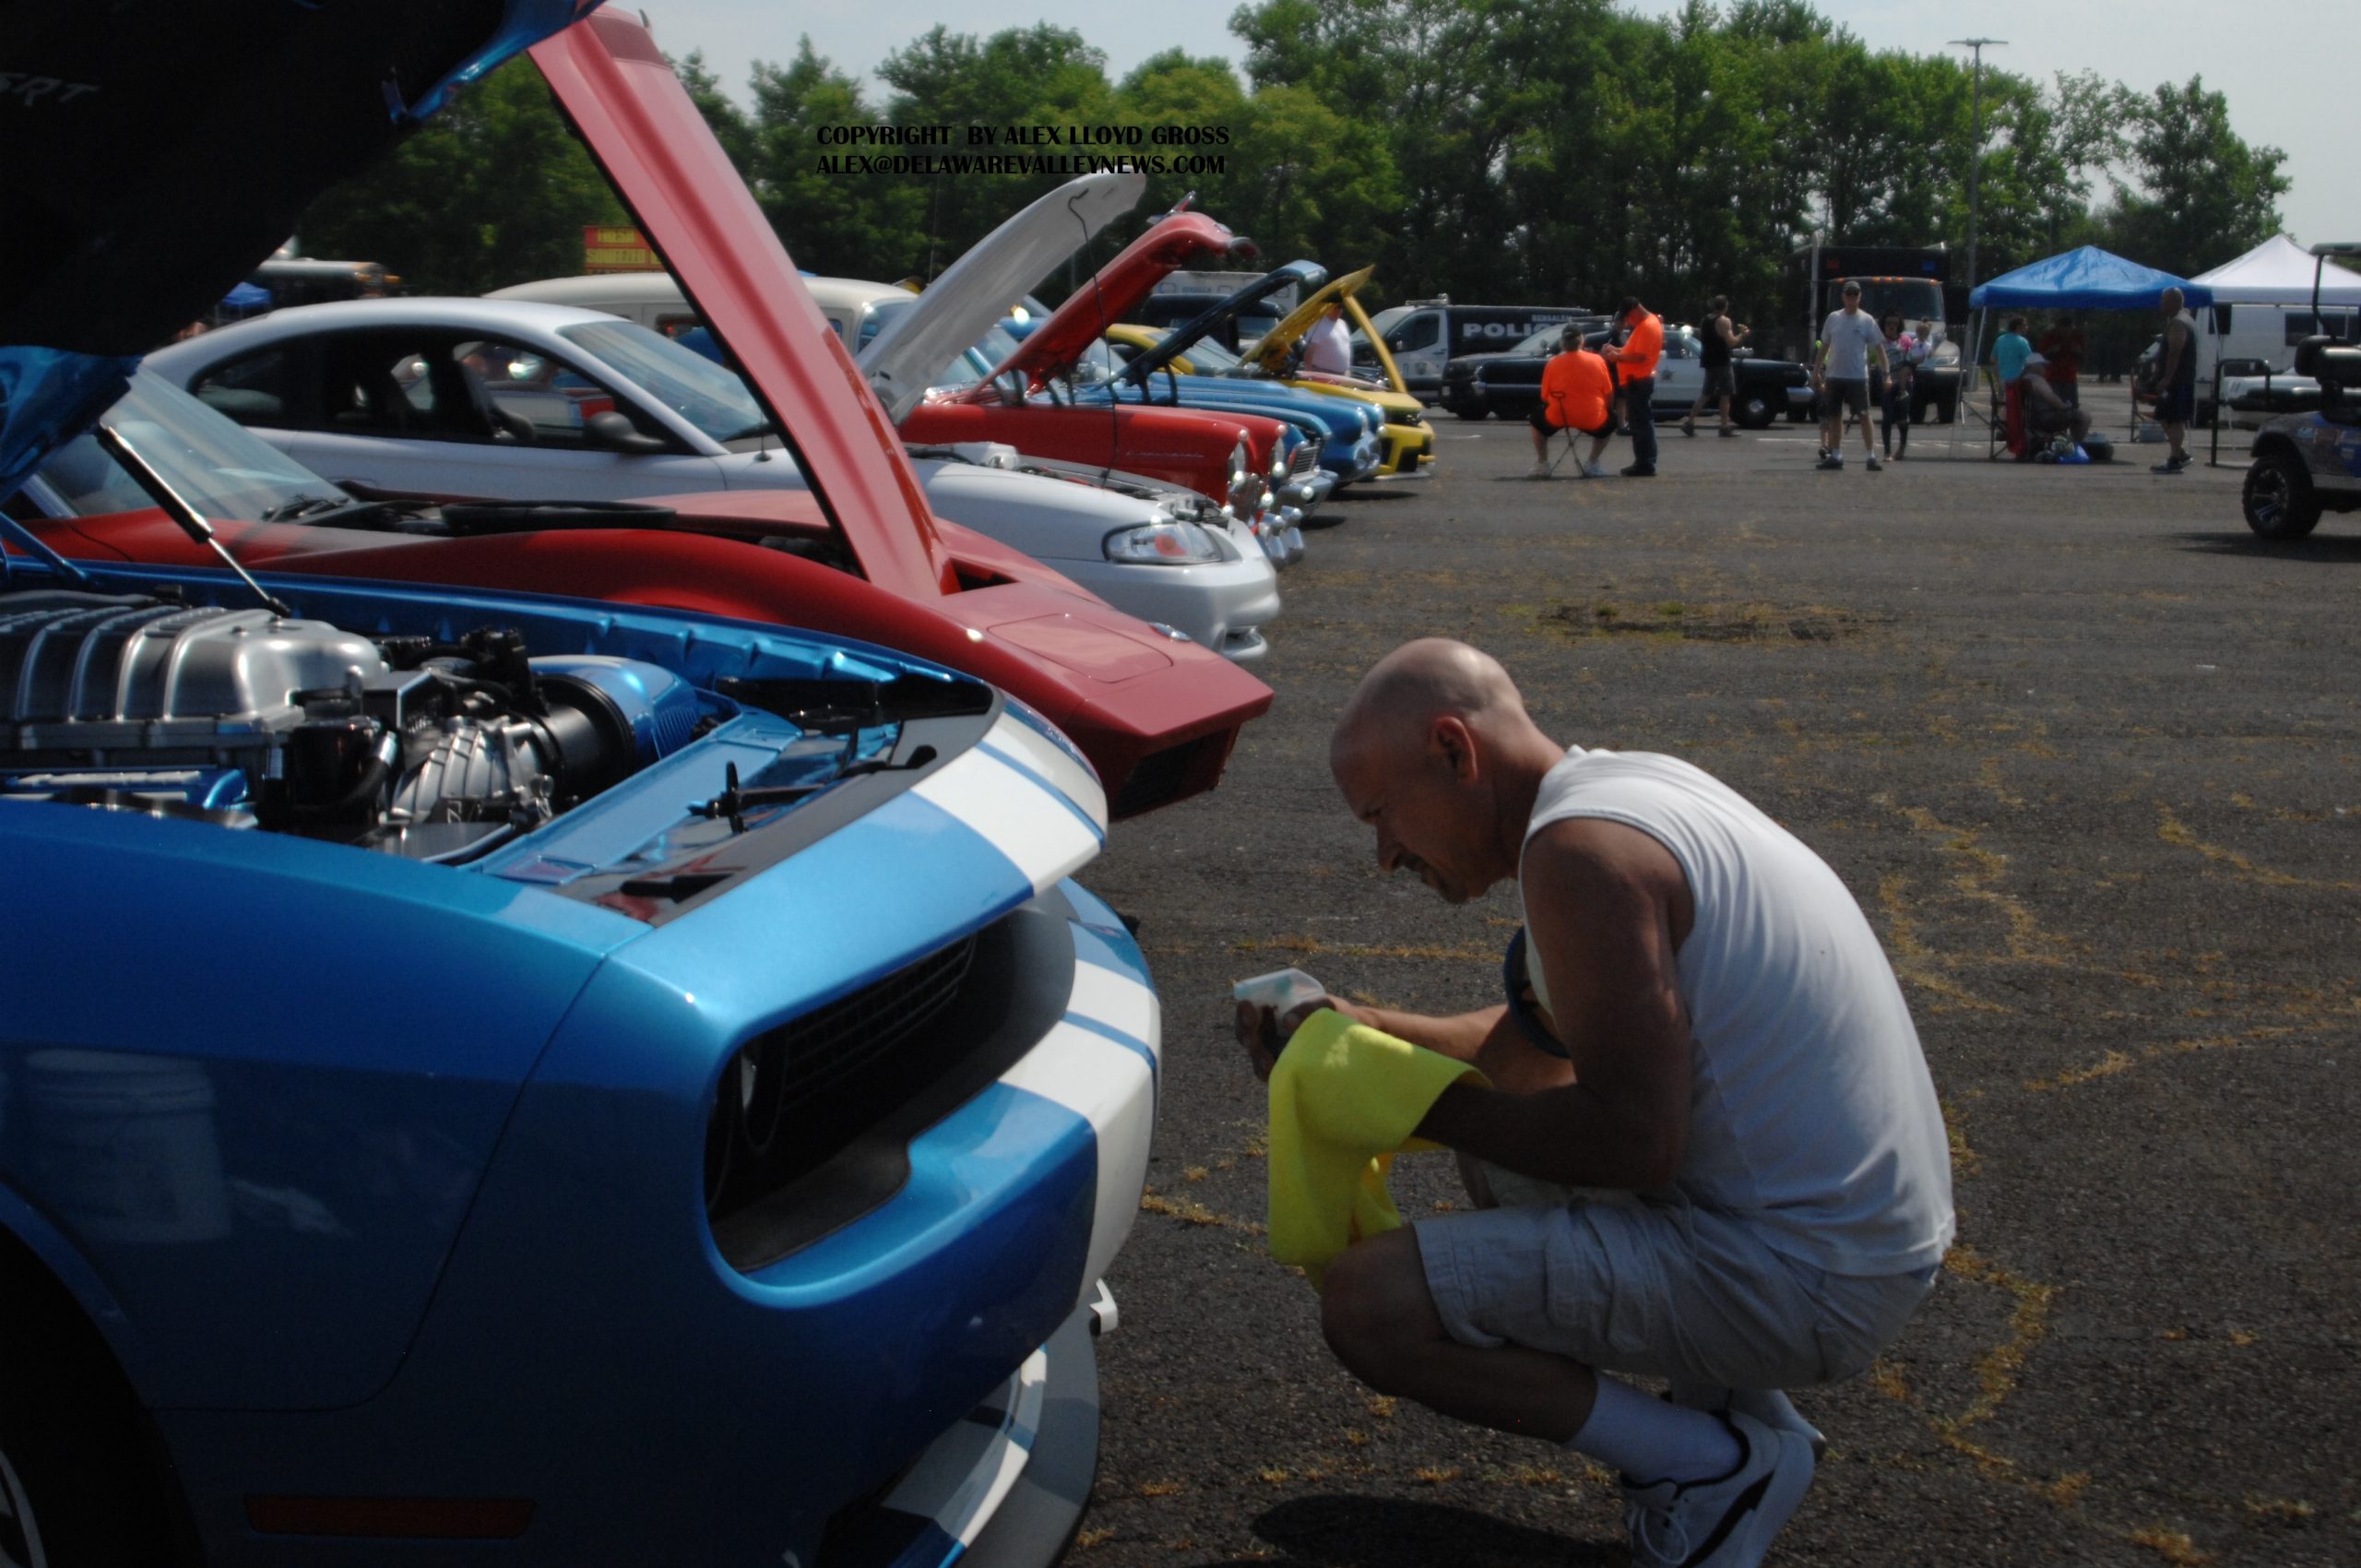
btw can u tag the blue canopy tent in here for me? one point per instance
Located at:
(2088, 279)
(242, 299)
(2084, 279)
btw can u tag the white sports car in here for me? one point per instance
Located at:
(503, 399)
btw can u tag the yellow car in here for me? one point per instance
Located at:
(1409, 443)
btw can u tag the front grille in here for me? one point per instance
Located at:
(812, 1122)
(822, 1048)
(1161, 777)
(1303, 462)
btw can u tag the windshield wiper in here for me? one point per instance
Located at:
(303, 505)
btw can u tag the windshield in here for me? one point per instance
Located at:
(218, 466)
(704, 394)
(972, 366)
(1913, 298)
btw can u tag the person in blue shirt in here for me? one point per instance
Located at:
(2011, 350)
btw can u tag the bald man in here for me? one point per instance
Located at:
(1711, 1152)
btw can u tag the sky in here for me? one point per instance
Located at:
(2284, 92)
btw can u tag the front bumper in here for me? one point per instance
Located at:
(591, 1355)
(1223, 605)
(1409, 452)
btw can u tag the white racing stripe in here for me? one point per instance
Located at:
(1109, 1084)
(1012, 813)
(1119, 1002)
(962, 1477)
(1028, 746)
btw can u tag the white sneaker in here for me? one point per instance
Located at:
(1594, 470)
(1726, 1523)
(1540, 468)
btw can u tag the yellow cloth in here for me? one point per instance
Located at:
(1344, 1098)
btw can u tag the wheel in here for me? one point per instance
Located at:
(1471, 410)
(2278, 498)
(1753, 409)
(1951, 408)
(79, 1476)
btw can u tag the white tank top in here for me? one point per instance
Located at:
(1810, 1105)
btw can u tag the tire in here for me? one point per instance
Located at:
(1951, 409)
(1753, 408)
(80, 1465)
(1471, 410)
(2278, 498)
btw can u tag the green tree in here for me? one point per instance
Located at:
(836, 224)
(1041, 76)
(2199, 194)
(494, 190)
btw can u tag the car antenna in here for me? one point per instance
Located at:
(185, 516)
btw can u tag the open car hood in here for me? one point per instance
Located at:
(1176, 242)
(157, 151)
(646, 132)
(1271, 353)
(1181, 339)
(959, 307)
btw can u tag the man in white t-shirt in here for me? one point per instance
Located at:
(1711, 1150)
(1328, 347)
(1850, 343)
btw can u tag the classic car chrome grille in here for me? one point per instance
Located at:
(1305, 459)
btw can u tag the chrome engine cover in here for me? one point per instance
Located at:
(85, 679)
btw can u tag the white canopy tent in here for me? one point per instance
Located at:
(2279, 272)
(2276, 275)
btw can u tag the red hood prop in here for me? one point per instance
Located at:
(689, 201)
(1177, 242)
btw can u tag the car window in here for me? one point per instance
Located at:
(707, 395)
(1679, 346)
(257, 388)
(431, 385)
(532, 397)
(1421, 331)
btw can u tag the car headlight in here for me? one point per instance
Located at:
(1244, 486)
(1169, 543)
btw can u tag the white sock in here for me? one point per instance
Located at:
(1650, 1440)
(1770, 1405)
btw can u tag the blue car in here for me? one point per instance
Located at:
(491, 1078)
(565, 1084)
(1351, 450)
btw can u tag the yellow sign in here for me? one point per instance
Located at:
(606, 248)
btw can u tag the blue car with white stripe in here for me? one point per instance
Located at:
(536, 1082)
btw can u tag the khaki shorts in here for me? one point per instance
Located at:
(1658, 1289)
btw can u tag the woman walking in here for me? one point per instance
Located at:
(1904, 354)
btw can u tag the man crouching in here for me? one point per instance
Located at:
(1711, 1152)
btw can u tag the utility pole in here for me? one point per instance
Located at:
(1976, 154)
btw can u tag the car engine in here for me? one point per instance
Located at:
(247, 719)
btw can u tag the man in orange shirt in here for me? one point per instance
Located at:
(1642, 348)
(1577, 394)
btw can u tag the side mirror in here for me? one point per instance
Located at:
(615, 432)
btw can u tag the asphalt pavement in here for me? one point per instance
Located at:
(2084, 748)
